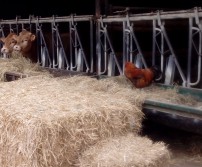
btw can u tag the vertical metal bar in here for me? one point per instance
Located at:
(82, 50)
(126, 41)
(10, 28)
(173, 54)
(53, 44)
(17, 24)
(91, 47)
(199, 49)
(61, 51)
(98, 48)
(75, 47)
(30, 24)
(171, 49)
(138, 47)
(70, 46)
(116, 61)
(105, 50)
(124, 45)
(132, 34)
(131, 46)
(154, 42)
(162, 51)
(189, 52)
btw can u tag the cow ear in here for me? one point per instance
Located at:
(33, 37)
(2, 39)
(15, 37)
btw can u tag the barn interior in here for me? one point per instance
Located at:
(95, 38)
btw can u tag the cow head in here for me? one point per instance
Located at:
(24, 42)
(8, 44)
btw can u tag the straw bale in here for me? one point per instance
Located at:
(20, 64)
(48, 121)
(154, 92)
(126, 151)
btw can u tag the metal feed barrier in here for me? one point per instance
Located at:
(161, 44)
(53, 55)
(99, 52)
(96, 51)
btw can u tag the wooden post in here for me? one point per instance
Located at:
(97, 8)
(101, 7)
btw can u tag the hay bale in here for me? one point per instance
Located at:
(126, 151)
(18, 63)
(156, 93)
(49, 121)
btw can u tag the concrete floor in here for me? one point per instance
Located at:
(186, 147)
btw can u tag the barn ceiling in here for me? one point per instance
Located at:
(81, 7)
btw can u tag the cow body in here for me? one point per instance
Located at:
(8, 44)
(26, 45)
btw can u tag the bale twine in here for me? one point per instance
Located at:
(126, 151)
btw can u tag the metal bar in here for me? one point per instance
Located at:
(91, 47)
(198, 50)
(105, 49)
(189, 52)
(173, 108)
(171, 49)
(47, 19)
(98, 48)
(82, 50)
(181, 14)
(70, 45)
(125, 56)
(60, 48)
(153, 43)
(138, 47)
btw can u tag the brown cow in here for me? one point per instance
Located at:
(26, 45)
(8, 43)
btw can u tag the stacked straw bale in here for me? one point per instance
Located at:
(20, 64)
(126, 151)
(50, 122)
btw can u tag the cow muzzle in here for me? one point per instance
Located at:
(17, 48)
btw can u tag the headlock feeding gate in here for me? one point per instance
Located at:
(100, 46)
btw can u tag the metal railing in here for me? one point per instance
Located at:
(58, 47)
(102, 47)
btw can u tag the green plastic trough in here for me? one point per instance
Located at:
(177, 116)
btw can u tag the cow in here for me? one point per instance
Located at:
(26, 45)
(8, 43)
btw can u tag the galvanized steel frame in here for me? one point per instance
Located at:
(159, 19)
(106, 59)
(59, 60)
